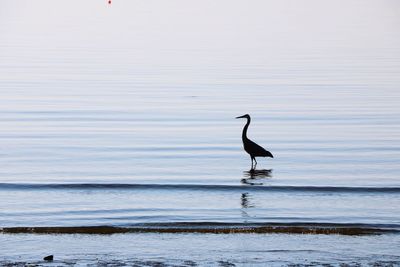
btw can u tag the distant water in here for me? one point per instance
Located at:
(123, 115)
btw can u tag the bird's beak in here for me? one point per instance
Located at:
(240, 117)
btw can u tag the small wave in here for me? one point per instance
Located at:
(215, 228)
(202, 187)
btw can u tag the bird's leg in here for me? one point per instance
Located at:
(251, 163)
(256, 163)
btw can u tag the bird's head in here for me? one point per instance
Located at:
(247, 116)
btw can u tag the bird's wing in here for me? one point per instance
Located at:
(257, 150)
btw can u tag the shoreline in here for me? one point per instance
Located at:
(213, 228)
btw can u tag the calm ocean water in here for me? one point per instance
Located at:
(123, 116)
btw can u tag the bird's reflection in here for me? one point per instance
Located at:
(250, 181)
(252, 174)
(245, 205)
(244, 201)
(253, 177)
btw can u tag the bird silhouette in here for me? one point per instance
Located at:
(250, 147)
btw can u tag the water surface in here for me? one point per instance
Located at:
(123, 115)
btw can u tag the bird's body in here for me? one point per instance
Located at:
(250, 147)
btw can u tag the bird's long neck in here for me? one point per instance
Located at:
(244, 133)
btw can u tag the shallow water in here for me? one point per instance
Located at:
(130, 205)
(123, 115)
(202, 250)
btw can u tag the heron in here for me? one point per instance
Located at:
(250, 147)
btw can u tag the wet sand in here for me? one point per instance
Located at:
(212, 228)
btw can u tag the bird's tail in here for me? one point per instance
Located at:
(269, 154)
